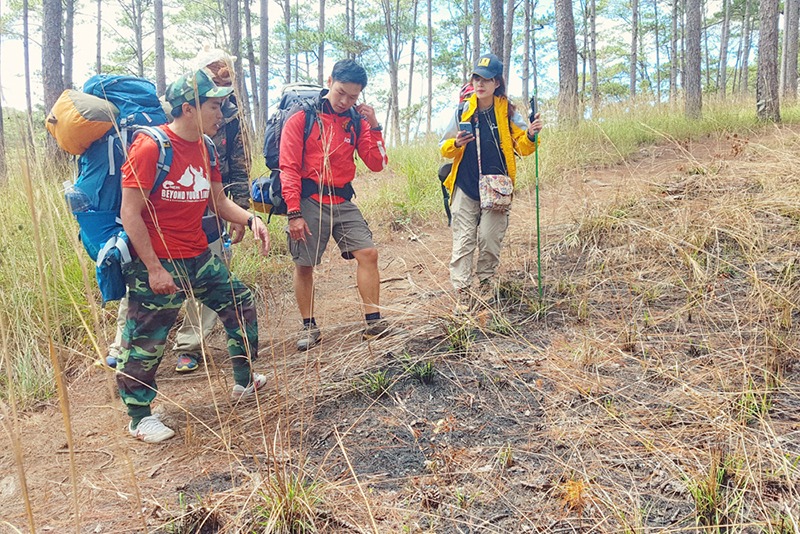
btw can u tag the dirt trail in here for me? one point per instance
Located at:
(127, 486)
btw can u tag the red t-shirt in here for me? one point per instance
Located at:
(174, 221)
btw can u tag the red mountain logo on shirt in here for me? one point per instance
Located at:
(193, 186)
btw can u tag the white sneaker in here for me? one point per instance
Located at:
(151, 430)
(241, 392)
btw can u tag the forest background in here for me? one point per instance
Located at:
(578, 55)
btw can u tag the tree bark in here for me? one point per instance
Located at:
(3, 168)
(789, 83)
(98, 65)
(287, 56)
(161, 75)
(567, 62)
(465, 59)
(593, 56)
(263, 64)
(497, 26)
(744, 73)
(508, 38)
(390, 14)
(476, 28)
(673, 60)
(692, 77)
(26, 59)
(767, 100)
(69, 41)
(634, 46)
(411, 69)
(657, 22)
(526, 50)
(52, 76)
(321, 47)
(722, 71)
(251, 59)
(429, 107)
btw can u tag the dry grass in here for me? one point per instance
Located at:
(654, 388)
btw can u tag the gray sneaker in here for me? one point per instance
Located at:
(309, 336)
(375, 330)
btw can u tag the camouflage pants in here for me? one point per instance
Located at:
(151, 316)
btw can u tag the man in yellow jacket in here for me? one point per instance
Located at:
(501, 132)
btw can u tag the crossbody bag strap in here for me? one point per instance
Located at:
(478, 141)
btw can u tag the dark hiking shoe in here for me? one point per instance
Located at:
(375, 329)
(309, 336)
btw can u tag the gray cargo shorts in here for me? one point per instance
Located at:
(342, 221)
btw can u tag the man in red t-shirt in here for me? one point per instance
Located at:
(315, 183)
(172, 259)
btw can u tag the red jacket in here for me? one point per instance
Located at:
(334, 169)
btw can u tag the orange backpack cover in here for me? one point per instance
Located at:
(78, 119)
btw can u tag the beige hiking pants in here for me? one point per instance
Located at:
(474, 228)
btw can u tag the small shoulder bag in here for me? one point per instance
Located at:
(496, 190)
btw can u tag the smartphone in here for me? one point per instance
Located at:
(533, 108)
(466, 127)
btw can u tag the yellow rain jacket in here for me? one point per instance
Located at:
(515, 140)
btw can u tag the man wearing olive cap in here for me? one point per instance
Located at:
(171, 257)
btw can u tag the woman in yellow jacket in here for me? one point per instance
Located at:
(502, 132)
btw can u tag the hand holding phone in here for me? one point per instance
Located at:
(532, 116)
(465, 134)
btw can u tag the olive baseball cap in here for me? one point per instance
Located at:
(197, 84)
(488, 66)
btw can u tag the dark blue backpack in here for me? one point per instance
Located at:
(99, 178)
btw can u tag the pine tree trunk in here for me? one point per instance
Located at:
(634, 46)
(465, 59)
(263, 64)
(69, 41)
(722, 72)
(52, 77)
(508, 37)
(526, 50)
(321, 46)
(476, 28)
(692, 76)
(411, 69)
(251, 59)
(3, 168)
(429, 107)
(497, 26)
(767, 100)
(673, 60)
(26, 59)
(744, 73)
(567, 62)
(658, 51)
(287, 56)
(98, 63)
(792, 10)
(161, 75)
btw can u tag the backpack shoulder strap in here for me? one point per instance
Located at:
(213, 155)
(356, 118)
(164, 151)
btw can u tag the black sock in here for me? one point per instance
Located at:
(372, 317)
(309, 322)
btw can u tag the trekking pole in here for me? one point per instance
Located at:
(538, 227)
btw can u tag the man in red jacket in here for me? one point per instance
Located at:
(315, 181)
